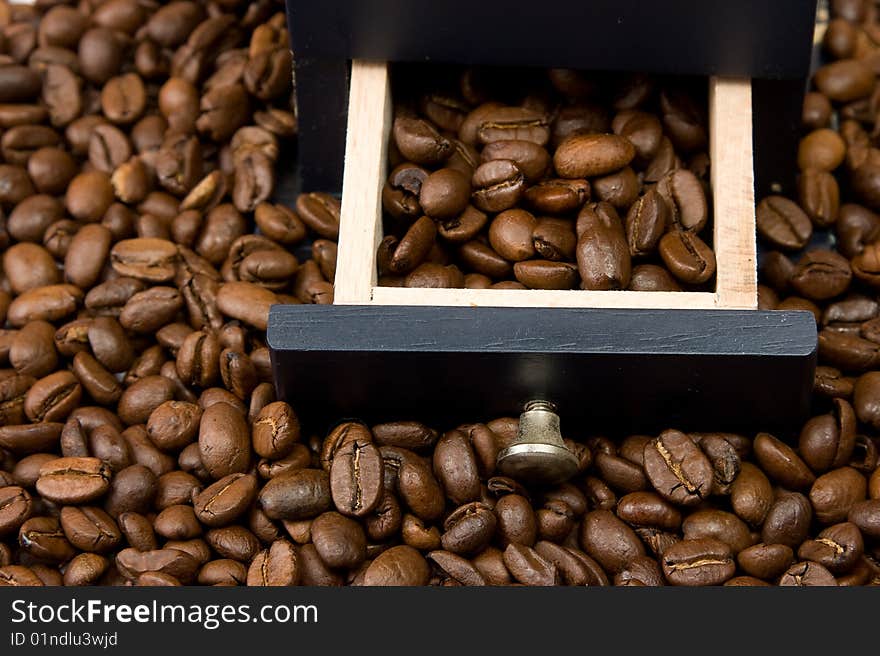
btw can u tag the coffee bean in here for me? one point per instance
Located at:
(782, 463)
(16, 506)
(147, 259)
(558, 196)
(648, 509)
(706, 561)
(866, 515)
(90, 529)
(16, 575)
(497, 185)
(821, 275)
(173, 562)
(585, 156)
(74, 480)
(419, 142)
(226, 500)
(356, 478)
(837, 548)
(844, 80)
(224, 441)
(677, 468)
(610, 541)
(807, 574)
(456, 568)
(299, 494)
(602, 252)
(528, 567)
(783, 224)
(530, 158)
(788, 520)
(765, 561)
(516, 520)
(513, 123)
(398, 566)
(43, 539)
(687, 257)
(718, 524)
(339, 540)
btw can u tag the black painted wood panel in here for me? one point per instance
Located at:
(623, 370)
(753, 38)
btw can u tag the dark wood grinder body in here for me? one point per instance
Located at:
(769, 41)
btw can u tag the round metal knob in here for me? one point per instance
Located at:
(538, 454)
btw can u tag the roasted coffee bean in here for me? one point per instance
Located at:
(74, 480)
(718, 524)
(866, 515)
(469, 528)
(173, 562)
(783, 224)
(513, 123)
(275, 430)
(687, 257)
(224, 441)
(586, 156)
(685, 199)
(821, 275)
(844, 80)
(558, 196)
(646, 222)
(648, 509)
(42, 538)
(405, 434)
(497, 185)
(16, 506)
(226, 500)
(609, 540)
(510, 234)
(677, 468)
(418, 141)
(398, 566)
(456, 568)
(299, 494)
(788, 520)
(765, 561)
(827, 441)
(807, 574)
(356, 478)
(530, 568)
(782, 463)
(53, 397)
(339, 540)
(837, 548)
(532, 159)
(705, 561)
(725, 461)
(603, 255)
(455, 466)
(516, 520)
(834, 493)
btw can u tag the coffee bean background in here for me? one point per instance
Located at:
(143, 242)
(533, 179)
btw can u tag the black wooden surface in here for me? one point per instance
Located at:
(776, 122)
(751, 38)
(770, 40)
(618, 370)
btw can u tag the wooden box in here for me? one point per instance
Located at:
(733, 203)
(615, 360)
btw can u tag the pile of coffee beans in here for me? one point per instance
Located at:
(141, 442)
(141, 250)
(547, 180)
